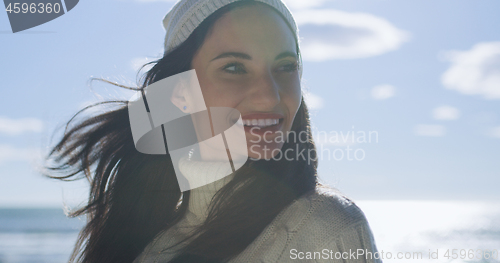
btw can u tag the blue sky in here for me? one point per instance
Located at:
(423, 75)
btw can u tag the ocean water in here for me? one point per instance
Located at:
(404, 227)
(37, 235)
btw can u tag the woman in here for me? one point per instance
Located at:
(246, 56)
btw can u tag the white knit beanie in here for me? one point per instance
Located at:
(186, 15)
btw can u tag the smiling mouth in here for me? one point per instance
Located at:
(261, 123)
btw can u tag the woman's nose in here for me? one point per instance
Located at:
(265, 93)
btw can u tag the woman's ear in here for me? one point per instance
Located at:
(178, 98)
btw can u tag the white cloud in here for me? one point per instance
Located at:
(314, 102)
(495, 132)
(137, 63)
(332, 34)
(301, 4)
(18, 126)
(430, 130)
(382, 92)
(9, 153)
(446, 113)
(475, 71)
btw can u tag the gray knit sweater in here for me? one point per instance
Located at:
(323, 226)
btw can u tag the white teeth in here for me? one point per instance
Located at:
(261, 122)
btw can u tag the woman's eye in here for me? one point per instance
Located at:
(234, 68)
(290, 67)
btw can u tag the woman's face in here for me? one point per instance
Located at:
(249, 62)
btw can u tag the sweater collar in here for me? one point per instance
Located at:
(201, 197)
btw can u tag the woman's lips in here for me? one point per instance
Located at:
(260, 123)
(249, 116)
(264, 131)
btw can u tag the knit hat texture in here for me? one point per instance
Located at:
(186, 15)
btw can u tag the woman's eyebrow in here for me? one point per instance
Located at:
(246, 56)
(233, 54)
(286, 54)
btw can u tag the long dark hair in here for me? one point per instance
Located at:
(134, 196)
